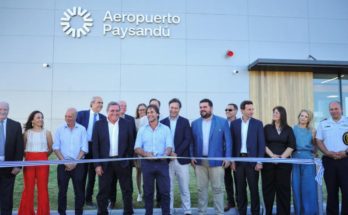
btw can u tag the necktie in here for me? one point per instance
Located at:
(95, 118)
(2, 139)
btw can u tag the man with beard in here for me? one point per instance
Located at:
(211, 138)
(155, 140)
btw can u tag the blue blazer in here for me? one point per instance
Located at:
(182, 138)
(220, 141)
(101, 141)
(255, 138)
(83, 118)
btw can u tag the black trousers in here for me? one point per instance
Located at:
(245, 173)
(63, 177)
(7, 181)
(113, 190)
(336, 177)
(229, 186)
(113, 187)
(115, 170)
(156, 172)
(89, 178)
(276, 182)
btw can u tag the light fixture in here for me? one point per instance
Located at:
(229, 53)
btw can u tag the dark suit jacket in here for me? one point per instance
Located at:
(83, 118)
(134, 129)
(14, 145)
(101, 141)
(182, 138)
(255, 138)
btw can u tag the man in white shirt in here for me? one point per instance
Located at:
(332, 140)
(113, 138)
(179, 168)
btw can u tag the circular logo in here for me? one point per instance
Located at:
(69, 14)
(345, 138)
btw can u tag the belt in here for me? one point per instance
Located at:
(243, 155)
(154, 160)
(114, 156)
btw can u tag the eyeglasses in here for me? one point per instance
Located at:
(229, 110)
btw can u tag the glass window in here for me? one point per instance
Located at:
(326, 89)
(344, 81)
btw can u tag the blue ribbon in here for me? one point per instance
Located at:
(316, 161)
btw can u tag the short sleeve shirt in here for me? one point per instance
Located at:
(333, 134)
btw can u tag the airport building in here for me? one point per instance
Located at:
(56, 54)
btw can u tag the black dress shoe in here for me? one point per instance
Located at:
(228, 207)
(112, 205)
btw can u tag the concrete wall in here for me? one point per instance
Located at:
(190, 65)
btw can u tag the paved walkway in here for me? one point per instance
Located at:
(157, 211)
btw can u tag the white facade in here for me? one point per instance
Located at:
(190, 64)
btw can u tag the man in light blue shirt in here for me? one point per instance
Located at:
(70, 144)
(155, 140)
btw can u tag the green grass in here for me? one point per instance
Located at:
(53, 191)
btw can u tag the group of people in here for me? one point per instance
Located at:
(214, 140)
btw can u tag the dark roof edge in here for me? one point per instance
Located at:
(296, 64)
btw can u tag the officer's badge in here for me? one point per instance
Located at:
(345, 138)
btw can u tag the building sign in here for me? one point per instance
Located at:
(121, 25)
(74, 12)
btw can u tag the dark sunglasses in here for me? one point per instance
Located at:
(229, 110)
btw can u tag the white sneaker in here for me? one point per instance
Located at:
(140, 198)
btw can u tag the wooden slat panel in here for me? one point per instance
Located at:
(292, 90)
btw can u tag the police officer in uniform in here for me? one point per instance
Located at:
(332, 140)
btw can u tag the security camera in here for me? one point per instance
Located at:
(45, 65)
(235, 71)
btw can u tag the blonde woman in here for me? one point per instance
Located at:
(303, 176)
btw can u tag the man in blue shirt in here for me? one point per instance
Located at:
(211, 138)
(70, 144)
(155, 140)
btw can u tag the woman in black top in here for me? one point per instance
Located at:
(280, 143)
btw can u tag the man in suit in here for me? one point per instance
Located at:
(113, 188)
(249, 141)
(11, 149)
(87, 118)
(211, 138)
(181, 133)
(231, 115)
(113, 138)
